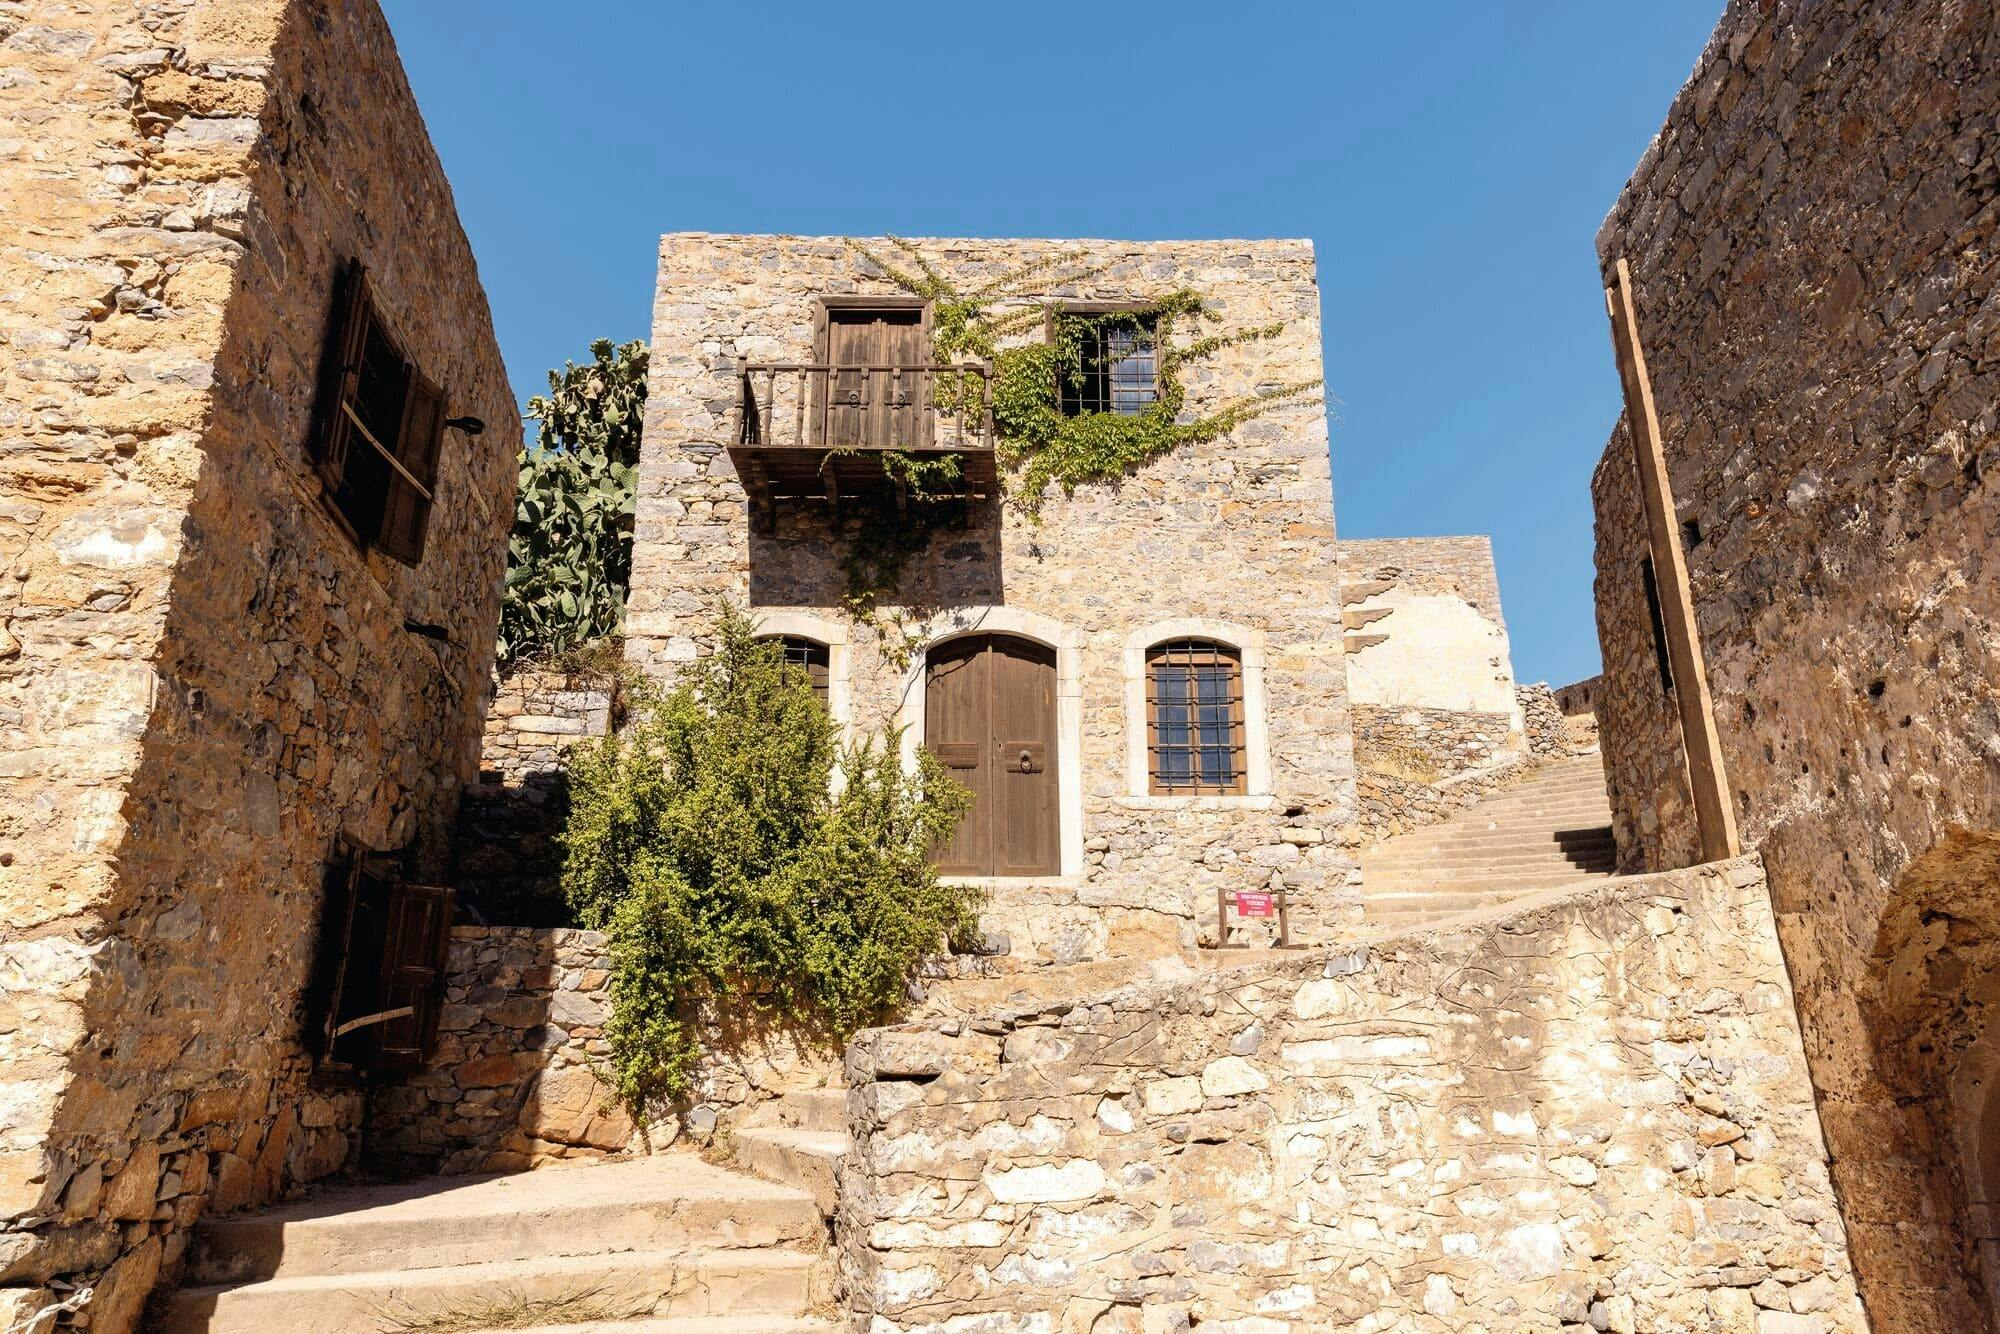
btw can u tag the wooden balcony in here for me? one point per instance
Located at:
(816, 432)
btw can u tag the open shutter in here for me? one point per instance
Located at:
(328, 989)
(413, 961)
(340, 374)
(407, 514)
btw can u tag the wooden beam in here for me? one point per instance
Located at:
(1714, 815)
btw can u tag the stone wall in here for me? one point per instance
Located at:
(1558, 721)
(1423, 623)
(1811, 241)
(514, 1080)
(1431, 679)
(1589, 1113)
(1237, 531)
(1430, 744)
(520, 1075)
(508, 863)
(537, 714)
(202, 684)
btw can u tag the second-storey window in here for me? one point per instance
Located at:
(1119, 369)
(377, 427)
(1194, 719)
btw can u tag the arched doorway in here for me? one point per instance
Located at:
(990, 718)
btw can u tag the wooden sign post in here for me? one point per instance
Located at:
(1714, 815)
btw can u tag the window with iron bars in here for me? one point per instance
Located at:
(1194, 719)
(1120, 369)
(811, 657)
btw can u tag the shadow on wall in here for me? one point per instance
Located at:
(804, 562)
(513, 1081)
(1932, 997)
(509, 865)
(521, 1072)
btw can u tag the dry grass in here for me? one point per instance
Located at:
(515, 1310)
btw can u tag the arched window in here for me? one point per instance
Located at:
(811, 657)
(1195, 742)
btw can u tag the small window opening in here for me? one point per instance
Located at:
(377, 428)
(1691, 533)
(1118, 370)
(1659, 624)
(1194, 719)
(811, 657)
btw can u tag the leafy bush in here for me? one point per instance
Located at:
(569, 559)
(710, 839)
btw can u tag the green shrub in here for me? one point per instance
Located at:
(709, 838)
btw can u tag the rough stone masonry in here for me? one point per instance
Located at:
(1811, 236)
(203, 683)
(1590, 1113)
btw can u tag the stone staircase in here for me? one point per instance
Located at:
(668, 1244)
(1551, 829)
(798, 1140)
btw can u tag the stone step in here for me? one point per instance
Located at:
(1473, 863)
(701, 1324)
(824, 1110)
(806, 1159)
(1402, 909)
(1490, 822)
(1497, 840)
(1448, 884)
(505, 1294)
(666, 1202)
(1513, 847)
(1377, 876)
(1476, 865)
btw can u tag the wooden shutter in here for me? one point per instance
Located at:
(413, 961)
(407, 513)
(341, 886)
(340, 374)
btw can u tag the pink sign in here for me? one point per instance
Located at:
(1254, 903)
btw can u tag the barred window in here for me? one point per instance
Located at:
(1194, 719)
(1120, 371)
(811, 657)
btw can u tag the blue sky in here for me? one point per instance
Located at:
(1451, 162)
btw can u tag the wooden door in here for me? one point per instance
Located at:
(874, 409)
(990, 717)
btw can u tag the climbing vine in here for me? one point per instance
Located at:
(1041, 445)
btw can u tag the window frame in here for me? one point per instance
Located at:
(1249, 645)
(1192, 655)
(1086, 309)
(820, 630)
(393, 515)
(814, 657)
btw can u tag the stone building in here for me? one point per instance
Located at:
(1811, 239)
(1144, 682)
(242, 347)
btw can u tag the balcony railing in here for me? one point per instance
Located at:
(809, 430)
(804, 405)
